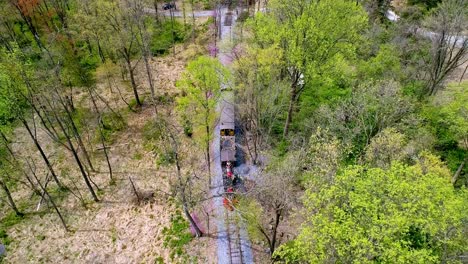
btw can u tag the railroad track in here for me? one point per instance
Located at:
(233, 239)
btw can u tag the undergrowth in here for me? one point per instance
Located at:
(177, 236)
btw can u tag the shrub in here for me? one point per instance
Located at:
(177, 235)
(111, 123)
(164, 37)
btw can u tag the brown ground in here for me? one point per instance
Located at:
(115, 230)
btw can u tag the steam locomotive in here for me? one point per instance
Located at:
(228, 154)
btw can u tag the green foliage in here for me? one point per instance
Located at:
(260, 91)
(188, 127)
(138, 156)
(243, 16)
(428, 4)
(40, 237)
(385, 148)
(152, 134)
(153, 141)
(318, 40)
(325, 155)
(282, 148)
(253, 216)
(371, 215)
(80, 117)
(201, 86)
(166, 158)
(78, 69)
(385, 65)
(111, 124)
(177, 235)
(10, 219)
(12, 102)
(447, 119)
(370, 109)
(206, 4)
(454, 112)
(132, 105)
(165, 35)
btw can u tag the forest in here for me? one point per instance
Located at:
(351, 131)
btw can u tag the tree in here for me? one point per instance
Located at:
(15, 99)
(386, 147)
(261, 96)
(122, 38)
(313, 35)
(452, 113)
(184, 185)
(449, 45)
(201, 84)
(370, 109)
(6, 168)
(137, 17)
(397, 215)
(275, 194)
(426, 3)
(325, 153)
(377, 9)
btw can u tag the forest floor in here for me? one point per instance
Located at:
(117, 229)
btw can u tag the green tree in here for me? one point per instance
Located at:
(261, 95)
(426, 3)
(449, 114)
(314, 36)
(404, 214)
(201, 84)
(370, 109)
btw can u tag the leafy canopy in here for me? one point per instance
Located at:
(404, 214)
(201, 85)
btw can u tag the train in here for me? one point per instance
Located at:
(228, 154)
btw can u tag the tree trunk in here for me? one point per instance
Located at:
(101, 53)
(44, 189)
(207, 149)
(43, 155)
(30, 26)
(193, 21)
(155, 4)
(150, 81)
(132, 80)
(171, 13)
(275, 230)
(32, 185)
(292, 101)
(458, 172)
(78, 137)
(77, 159)
(184, 15)
(181, 188)
(198, 232)
(101, 124)
(146, 57)
(10, 198)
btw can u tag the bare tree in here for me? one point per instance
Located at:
(183, 185)
(449, 45)
(101, 133)
(275, 193)
(11, 202)
(138, 18)
(44, 189)
(123, 38)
